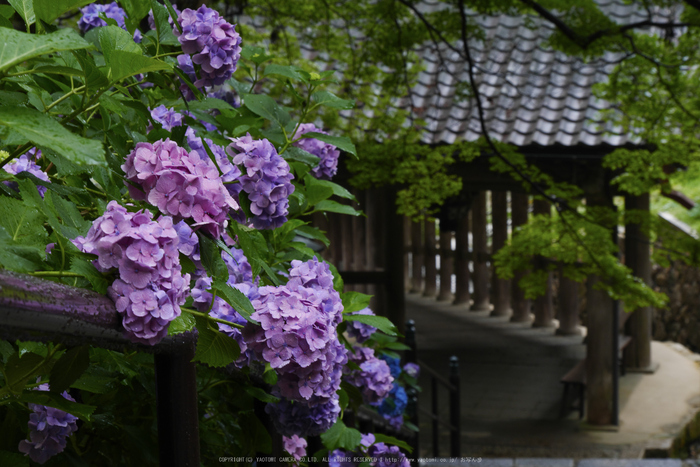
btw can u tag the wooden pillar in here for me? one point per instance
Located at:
(446, 265)
(480, 240)
(543, 306)
(407, 247)
(599, 344)
(462, 294)
(394, 254)
(500, 287)
(638, 259)
(430, 287)
(568, 298)
(519, 304)
(417, 252)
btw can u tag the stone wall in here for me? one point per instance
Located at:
(679, 321)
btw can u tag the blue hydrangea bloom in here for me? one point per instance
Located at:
(395, 403)
(394, 365)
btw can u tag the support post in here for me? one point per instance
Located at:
(176, 400)
(638, 259)
(455, 410)
(544, 305)
(480, 240)
(500, 287)
(417, 249)
(446, 265)
(462, 294)
(394, 250)
(520, 305)
(568, 307)
(430, 287)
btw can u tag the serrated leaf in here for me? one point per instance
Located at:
(114, 38)
(253, 245)
(379, 322)
(235, 298)
(331, 100)
(24, 8)
(82, 411)
(255, 54)
(88, 271)
(355, 301)
(163, 28)
(93, 383)
(183, 323)
(136, 9)
(341, 142)
(317, 193)
(337, 189)
(334, 206)
(16, 47)
(173, 15)
(213, 347)
(261, 395)
(124, 64)
(266, 107)
(42, 130)
(69, 368)
(340, 436)
(18, 370)
(313, 233)
(211, 258)
(286, 71)
(298, 154)
(49, 10)
(23, 224)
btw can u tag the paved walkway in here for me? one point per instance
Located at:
(511, 395)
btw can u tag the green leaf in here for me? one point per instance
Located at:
(16, 47)
(396, 346)
(69, 368)
(261, 394)
(183, 323)
(213, 347)
(136, 9)
(334, 206)
(256, 55)
(298, 154)
(340, 436)
(32, 125)
(341, 142)
(113, 38)
(253, 245)
(173, 15)
(379, 322)
(18, 370)
(49, 10)
(317, 193)
(25, 8)
(270, 375)
(59, 402)
(88, 271)
(386, 439)
(286, 71)
(270, 273)
(211, 258)
(125, 64)
(6, 11)
(355, 301)
(23, 224)
(266, 107)
(15, 459)
(235, 298)
(161, 16)
(17, 257)
(331, 100)
(337, 189)
(313, 233)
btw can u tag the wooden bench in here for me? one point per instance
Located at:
(575, 380)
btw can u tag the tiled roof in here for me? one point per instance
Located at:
(532, 94)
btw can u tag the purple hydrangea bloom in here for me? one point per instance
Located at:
(299, 418)
(180, 184)
(26, 163)
(213, 43)
(91, 17)
(395, 403)
(48, 430)
(266, 179)
(295, 446)
(152, 21)
(226, 94)
(412, 370)
(184, 63)
(317, 275)
(361, 331)
(385, 455)
(151, 287)
(168, 118)
(326, 152)
(373, 378)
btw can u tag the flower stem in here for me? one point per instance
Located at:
(204, 315)
(55, 274)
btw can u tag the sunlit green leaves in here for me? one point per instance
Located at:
(49, 10)
(16, 47)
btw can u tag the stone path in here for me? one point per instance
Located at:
(511, 395)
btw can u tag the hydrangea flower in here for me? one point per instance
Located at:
(361, 331)
(180, 184)
(326, 152)
(394, 404)
(213, 44)
(150, 287)
(266, 179)
(382, 455)
(91, 17)
(302, 419)
(394, 365)
(168, 118)
(295, 446)
(26, 163)
(412, 370)
(226, 94)
(373, 378)
(48, 430)
(184, 63)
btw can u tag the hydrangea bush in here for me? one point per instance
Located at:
(175, 177)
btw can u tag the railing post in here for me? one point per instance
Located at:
(455, 410)
(410, 341)
(412, 410)
(176, 400)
